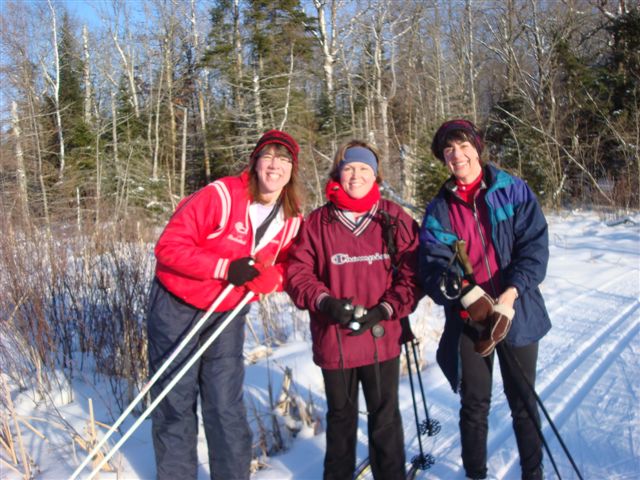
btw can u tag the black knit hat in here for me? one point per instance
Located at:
(444, 134)
(281, 138)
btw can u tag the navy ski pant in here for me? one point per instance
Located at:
(475, 396)
(218, 377)
(384, 423)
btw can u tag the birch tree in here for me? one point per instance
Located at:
(55, 87)
(120, 15)
(21, 173)
(86, 76)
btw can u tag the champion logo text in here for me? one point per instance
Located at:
(344, 258)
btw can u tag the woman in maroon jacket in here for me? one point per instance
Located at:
(357, 250)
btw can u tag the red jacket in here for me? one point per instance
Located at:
(208, 230)
(331, 258)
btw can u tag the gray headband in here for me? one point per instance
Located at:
(360, 154)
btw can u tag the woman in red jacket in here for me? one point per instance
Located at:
(235, 230)
(357, 250)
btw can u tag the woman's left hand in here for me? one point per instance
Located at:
(508, 297)
(268, 281)
(370, 319)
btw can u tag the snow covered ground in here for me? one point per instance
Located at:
(588, 372)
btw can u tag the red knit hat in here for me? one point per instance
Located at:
(281, 138)
(447, 128)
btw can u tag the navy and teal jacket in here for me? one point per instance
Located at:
(520, 237)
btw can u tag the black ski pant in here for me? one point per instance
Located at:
(218, 377)
(384, 423)
(475, 396)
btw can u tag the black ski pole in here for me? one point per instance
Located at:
(532, 416)
(422, 461)
(430, 426)
(514, 360)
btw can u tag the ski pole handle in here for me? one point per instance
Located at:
(358, 312)
(463, 257)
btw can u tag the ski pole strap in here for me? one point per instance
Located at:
(463, 257)
(344, 375)
(265, 224)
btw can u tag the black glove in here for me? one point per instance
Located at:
(370, 319)
(339, 309)
(476, 302)
(241, 271)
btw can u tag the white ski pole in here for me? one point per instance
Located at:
(173, 382)
(216, 303)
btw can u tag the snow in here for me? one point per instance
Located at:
(587, 380)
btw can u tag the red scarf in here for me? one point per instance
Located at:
(467, 192)
(341, 199)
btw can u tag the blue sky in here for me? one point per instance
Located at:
(86, 11)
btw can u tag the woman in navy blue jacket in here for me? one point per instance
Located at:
(506, 240)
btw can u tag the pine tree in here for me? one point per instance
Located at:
(256, 55)
(78, 136)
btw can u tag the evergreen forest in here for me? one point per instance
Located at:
(120, 114)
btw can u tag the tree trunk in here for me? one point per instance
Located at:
(183, 157)
(328, 47)
(56, 93)
(23, 191)
(438, 55)
(127, 58)
(288, 91)
(200, 97)
(86, 76)
(237, 42)
(257, 104)
(98, 179)
(156, 147)
(172, 115)
(470, 62)
(43, 188)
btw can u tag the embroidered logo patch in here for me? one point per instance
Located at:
(241, 228)
(344, 258)
(241, 233)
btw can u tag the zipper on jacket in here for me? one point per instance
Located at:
(473, 208)
(484, 245)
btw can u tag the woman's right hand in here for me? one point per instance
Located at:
(242, 270)
(339, 309)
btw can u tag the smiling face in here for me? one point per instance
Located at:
(273, 170)
(462, 159)
(357, 178)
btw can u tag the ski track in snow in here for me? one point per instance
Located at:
(572, 364)
(564, 388)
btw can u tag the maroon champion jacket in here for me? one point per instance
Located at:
(334, 256)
